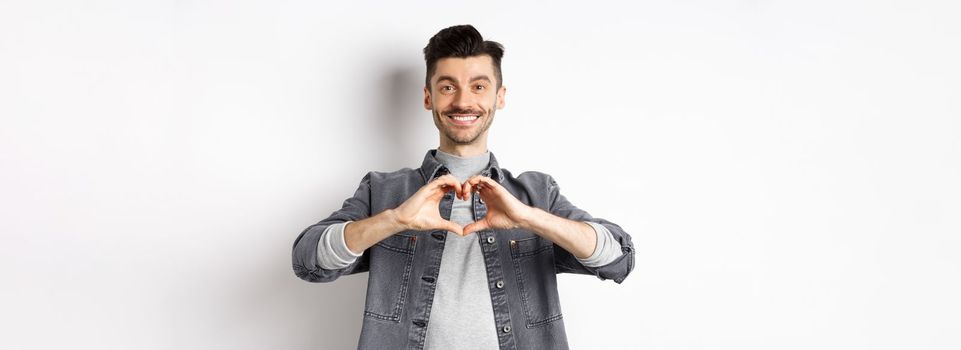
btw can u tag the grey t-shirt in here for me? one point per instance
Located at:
(462, 301)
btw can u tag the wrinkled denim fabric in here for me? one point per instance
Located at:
(402, 269)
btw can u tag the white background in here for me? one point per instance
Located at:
(789, 170)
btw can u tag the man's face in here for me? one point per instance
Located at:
(463, 95)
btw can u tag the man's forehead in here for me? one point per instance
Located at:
(465, 68)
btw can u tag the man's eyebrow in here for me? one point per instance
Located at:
(454, 80)
(481, 77)
(446, 77)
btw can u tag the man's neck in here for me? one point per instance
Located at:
(463, 167)
(464, 151)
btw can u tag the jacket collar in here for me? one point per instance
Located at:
(432, 168)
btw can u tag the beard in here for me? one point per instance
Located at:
(457, 135)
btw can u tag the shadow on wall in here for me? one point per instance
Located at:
(401, 113)
(333, 312)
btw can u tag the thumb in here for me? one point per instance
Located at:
(452, 227)
(475, 226)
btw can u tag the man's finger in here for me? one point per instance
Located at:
(488, 182)
(452, 227)
(444, 180)
(446, 183)
(477, 182)
(466, 187)
(475, 226)
(471, 184)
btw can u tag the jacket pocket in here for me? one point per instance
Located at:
(390, 265)
(533, 260)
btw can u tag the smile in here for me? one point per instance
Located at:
(463, 119)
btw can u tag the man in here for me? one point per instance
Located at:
(461, 254)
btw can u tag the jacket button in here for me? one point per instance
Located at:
(419, 323)
(507, 329)
(428, 279)
(500, 284)
(490, 239)
(438, 236)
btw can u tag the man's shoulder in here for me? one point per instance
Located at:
(532, 187)
(399, 175)
(531, 179)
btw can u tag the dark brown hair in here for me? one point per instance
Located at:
(461, 41)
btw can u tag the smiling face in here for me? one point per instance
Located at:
(463, 95)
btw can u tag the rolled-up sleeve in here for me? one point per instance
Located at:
(616, 268)
(606, 248)
(332, 251)
(307, 263)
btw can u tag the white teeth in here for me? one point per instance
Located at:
(466, 118)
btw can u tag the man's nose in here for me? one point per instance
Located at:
(462, 99)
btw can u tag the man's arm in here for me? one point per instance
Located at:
(419, 212)
(570, 228)
(332, 248)
(334, 251)
(337, 246)
(591, 243)
(577, 237)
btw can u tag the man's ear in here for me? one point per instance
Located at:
(500, 96)
(427, 103)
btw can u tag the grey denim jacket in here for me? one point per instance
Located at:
(521, 266)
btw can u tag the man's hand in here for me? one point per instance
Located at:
(420, 211)
(503, 210)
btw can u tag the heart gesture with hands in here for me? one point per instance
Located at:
(420, 211)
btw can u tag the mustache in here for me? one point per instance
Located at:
(462, 111)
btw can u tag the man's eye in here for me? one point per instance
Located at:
(479, 87)
(447, 88)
